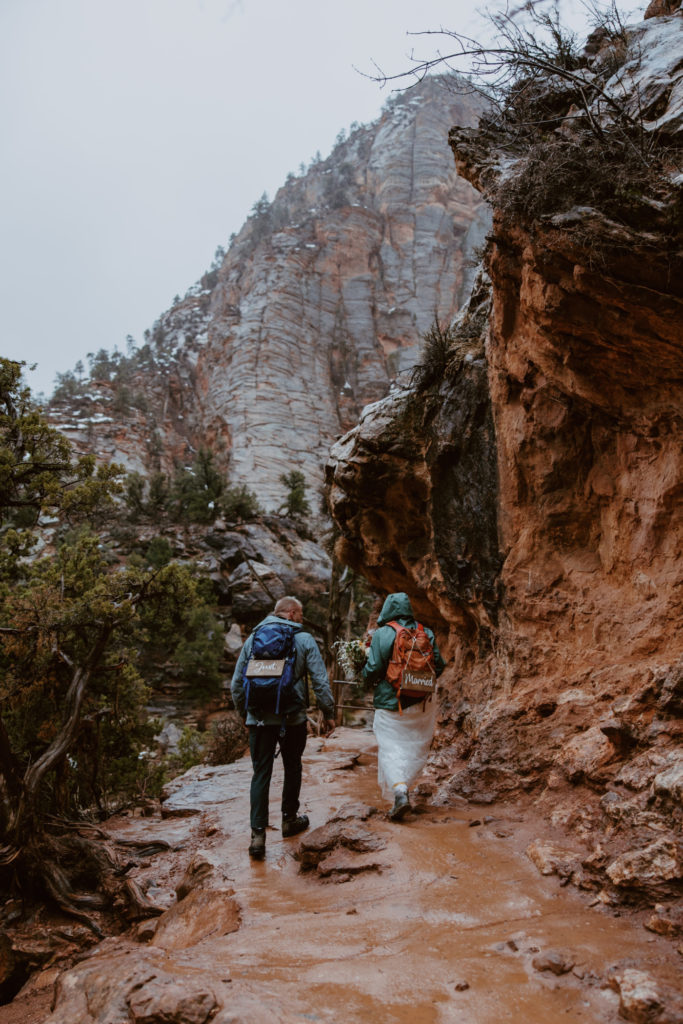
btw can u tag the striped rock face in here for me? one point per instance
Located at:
(321, 300)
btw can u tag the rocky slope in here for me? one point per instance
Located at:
(529, 498)
(328, 289)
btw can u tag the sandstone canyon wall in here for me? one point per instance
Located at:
(321, 299)
(529, 499)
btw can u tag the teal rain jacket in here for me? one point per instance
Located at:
(396, 607)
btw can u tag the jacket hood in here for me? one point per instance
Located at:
(277, 618)
(396, 606)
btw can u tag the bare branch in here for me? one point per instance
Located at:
(516, 55)
(73, 703)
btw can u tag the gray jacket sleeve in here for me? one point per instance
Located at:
(317, 673)
(236, 684)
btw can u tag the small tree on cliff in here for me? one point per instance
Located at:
(196, 491)
(295, 504)
(71, 701)
(147, 498)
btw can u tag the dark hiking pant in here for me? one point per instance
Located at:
(262, 745)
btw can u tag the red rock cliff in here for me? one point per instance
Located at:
(530, 501)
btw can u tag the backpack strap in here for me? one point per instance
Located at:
(397, 627)
(290, 657)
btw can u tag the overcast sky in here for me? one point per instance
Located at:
(137, 135)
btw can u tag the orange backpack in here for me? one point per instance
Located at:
(411, 667)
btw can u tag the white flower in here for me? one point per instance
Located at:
(351, 657)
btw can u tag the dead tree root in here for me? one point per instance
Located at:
(84, 876)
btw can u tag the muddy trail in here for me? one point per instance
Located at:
(440, 918)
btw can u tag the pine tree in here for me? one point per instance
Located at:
(295, 503)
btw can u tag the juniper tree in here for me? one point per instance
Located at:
(72, 627)
(295, 503)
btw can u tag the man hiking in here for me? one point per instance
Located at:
(269, 689)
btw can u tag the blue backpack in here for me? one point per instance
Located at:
(268, 675)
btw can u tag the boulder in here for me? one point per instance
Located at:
(669, 784)
(644, 1000)
(342, 864)
(659, 862)
(169, 737)
(255, 588)
(553, 860)
(483, 784)
(136, 986)
(671, 694)
(165, 999)
(556, 961)
(355, 810)
(584, 755)
(343, 835)
(639, 772)
(198, 789)
(666, 921)
(233, 642)
(200, 914)
(201, 870)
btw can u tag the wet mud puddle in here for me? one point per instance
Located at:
(439, 918)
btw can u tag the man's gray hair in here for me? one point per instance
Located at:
(288, 604)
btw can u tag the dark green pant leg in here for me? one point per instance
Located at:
(292, 745)
(262, 743)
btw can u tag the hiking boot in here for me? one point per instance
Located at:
(257, 846)
(292, 826)
(401, 806)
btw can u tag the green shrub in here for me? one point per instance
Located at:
(239, 504)
(227, 741)
(190, 751)
(135, 494)
(436, 350)
(195, 492)
(295, 504)
(159, 552)
(199, 652)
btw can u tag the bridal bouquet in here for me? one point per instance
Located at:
(351, 657)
